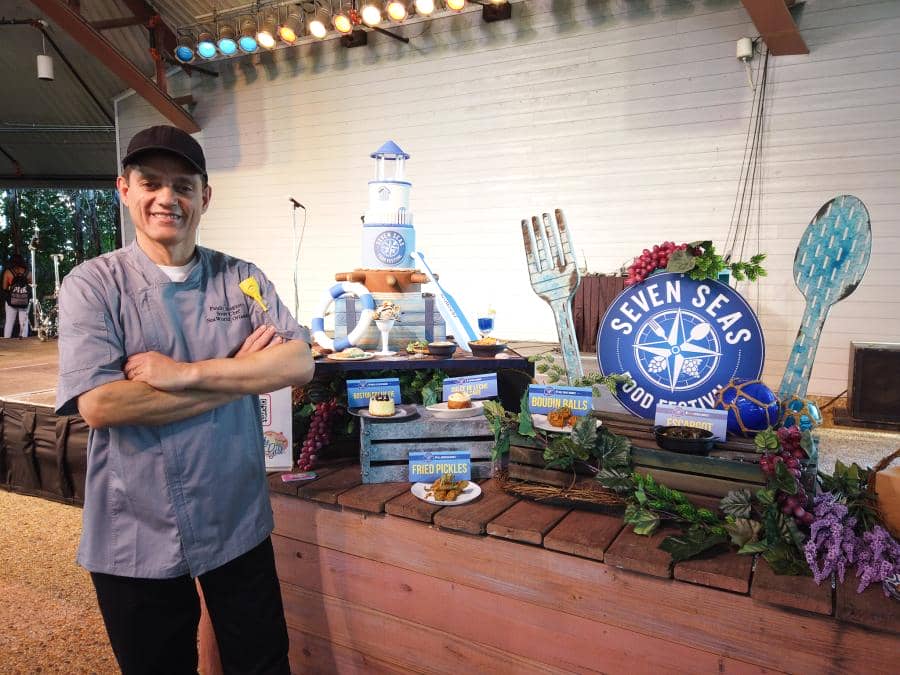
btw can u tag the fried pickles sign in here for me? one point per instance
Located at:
(680, 341)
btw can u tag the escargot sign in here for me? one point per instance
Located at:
(680, 341)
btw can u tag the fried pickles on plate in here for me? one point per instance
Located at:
(445, 489)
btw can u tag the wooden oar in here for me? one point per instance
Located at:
(831, 260)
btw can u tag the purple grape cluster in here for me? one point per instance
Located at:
(791, 504)
(650, 260)
(790, 438)
(319, 434)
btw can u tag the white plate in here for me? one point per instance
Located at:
(400, 412)
(471, 492)
(442, 412)
(337, 357)
(540, 422)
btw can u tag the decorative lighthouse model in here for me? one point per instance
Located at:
(388, 271)
(388, 235)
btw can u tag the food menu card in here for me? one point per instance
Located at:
(543, 399)
(277, 425)
(476, 386)
(360, 391)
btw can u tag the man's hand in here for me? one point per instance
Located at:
(166, 374)
(260, 339)
(157, 370)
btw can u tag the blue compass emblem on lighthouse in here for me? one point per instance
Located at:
(680, 341)
(390, 247)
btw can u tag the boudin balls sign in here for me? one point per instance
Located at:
(680, 341)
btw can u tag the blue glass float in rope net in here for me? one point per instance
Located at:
(752, 407)
(801, 412)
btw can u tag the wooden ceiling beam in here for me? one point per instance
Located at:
(98, 46)
(140, 8)
(124, 22)
(776, 26)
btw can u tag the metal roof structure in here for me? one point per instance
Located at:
(61, 132)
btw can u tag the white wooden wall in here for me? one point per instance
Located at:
(629, 115)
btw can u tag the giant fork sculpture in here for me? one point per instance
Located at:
(555, 278)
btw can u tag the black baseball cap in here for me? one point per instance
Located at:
(169, 139)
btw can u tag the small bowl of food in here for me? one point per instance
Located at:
(689, 440)
(486, 347)
(444, 349)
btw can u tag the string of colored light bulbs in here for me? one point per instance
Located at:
(269, 27)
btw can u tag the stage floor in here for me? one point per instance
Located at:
(29, 369)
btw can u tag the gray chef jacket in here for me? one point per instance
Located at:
(180, 498)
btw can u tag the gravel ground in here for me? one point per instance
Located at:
(49, 620)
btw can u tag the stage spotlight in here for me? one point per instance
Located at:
(318, 24)
(184, 52)
(227, 44)
(266, 34)
(456, 5)
(290, 29)
(342, 22)
(396, 9)
(371, 13)
(247, 42)
(206, 46)
(496, 10)
(424, 7)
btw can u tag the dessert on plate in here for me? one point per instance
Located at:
(459, 400)
(382, 405)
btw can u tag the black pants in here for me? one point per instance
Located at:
(152, 623)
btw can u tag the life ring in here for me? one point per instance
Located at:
(365, 318)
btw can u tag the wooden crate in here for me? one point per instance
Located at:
(420, 320)
(732, 465)
(385, 446)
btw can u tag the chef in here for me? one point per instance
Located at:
(164, 354)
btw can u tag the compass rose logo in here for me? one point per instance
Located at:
(390, 247)
(677, 350)
(679, 340)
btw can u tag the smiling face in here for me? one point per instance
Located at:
(165, 199)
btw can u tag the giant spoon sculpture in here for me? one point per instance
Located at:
(830, 261)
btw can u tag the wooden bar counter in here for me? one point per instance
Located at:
(375, 580)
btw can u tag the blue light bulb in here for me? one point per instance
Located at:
(184, 54)
(248, 44)
(227, 46)
(206, 49)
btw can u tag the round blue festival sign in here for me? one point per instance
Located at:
(680, 341)
(390, 247)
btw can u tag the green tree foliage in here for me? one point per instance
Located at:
(80, 224)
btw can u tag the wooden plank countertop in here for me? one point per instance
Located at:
(460, 361)
(720, 605)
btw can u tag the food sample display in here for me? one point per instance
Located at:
(417, 347)
(459, 400)
(561, 417)
(382, 405)
(387, 310)
(445, 489)
(350, 354)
